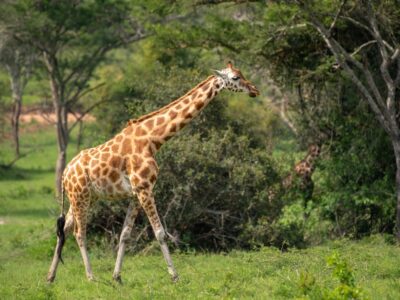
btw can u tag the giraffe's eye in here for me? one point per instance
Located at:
(235, 78)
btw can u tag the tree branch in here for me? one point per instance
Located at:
(358, 49)
(85, 113)
(384, 67)
(342, 57)
(339, 12)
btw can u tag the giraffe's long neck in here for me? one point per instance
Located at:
(161, 125)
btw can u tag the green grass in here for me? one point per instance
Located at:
(28, 210)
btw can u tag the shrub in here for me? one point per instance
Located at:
(208, 189)
(346, 289)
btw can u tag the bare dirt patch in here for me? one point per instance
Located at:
(50, 118)
(33, 121)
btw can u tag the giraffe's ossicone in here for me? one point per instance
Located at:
(125, 166)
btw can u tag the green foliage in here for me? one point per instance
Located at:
(203, 193)
(346, 289)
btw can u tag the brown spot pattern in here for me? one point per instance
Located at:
(153, 178)
(126, 146)
(145, 172)
(96, 172)
(140, 145)
(105, 156)
(160, 130)
(157, 144)
(140, 131)
(160, 120)
(115, 162)
(149, 124)
(128, 130)
(173, 114)
(114, 176)
(199, 105)
(79, 170)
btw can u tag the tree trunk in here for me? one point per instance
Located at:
(80, 134)
(15, 122)
(396, 148)
(62, 141)
(61, 111)
(16, 89)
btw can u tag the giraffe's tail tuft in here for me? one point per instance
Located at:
(60, 235)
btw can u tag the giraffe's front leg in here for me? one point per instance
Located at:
(146, 200)
(131, 215)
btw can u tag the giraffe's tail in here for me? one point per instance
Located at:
(60, 235)
(60, 224)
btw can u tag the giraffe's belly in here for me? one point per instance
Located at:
(104, 188)
(102, 175)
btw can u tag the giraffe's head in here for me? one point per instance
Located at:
(235, 81)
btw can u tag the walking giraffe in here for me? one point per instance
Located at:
(125, 166)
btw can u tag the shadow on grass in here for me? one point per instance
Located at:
(17, 173)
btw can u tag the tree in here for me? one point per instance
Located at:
(376, 77)
(73, 38)
(18, 59)
(297, 42)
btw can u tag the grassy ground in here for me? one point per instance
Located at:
(27, 216)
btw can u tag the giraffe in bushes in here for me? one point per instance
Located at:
(125, 167)
(302, 171)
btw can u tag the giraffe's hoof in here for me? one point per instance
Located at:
(90, 278)
(118, 279)
(175, 278)
(50, 279)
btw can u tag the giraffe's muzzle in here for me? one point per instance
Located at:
(253, 91)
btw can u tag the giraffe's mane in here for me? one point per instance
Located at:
(164, 108)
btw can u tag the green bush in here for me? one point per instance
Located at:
(208, 190)
(345, 289)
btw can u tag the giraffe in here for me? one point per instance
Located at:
(302, 170)
(125, 166)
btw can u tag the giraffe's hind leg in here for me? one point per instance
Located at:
(69, 222)
(80, 215)
(131, 215)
